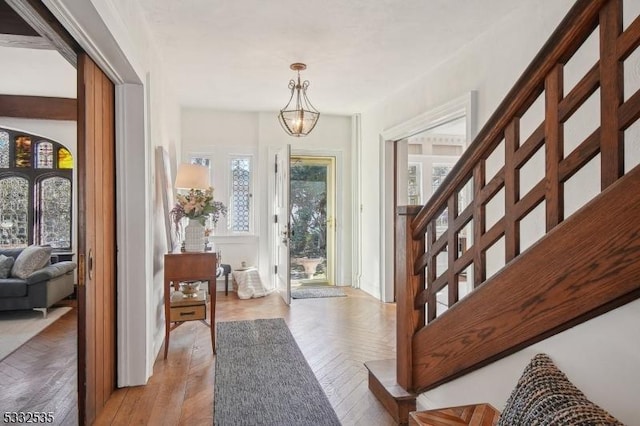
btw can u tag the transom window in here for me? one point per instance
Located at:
(35, 191)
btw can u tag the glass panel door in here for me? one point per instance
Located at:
(312, 201)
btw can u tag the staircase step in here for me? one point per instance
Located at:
(384, 385)
(471, 415)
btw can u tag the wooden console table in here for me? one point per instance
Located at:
(180, 267)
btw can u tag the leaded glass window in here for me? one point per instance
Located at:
(439, 172)
(4, 150)
(202, 161)
(414, 184)
(65, 159)
(240, 216)
(35, 191)
(55, 212)
(44, 155)
(23, 151)
(14, 212)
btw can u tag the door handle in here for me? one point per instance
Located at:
(285, 235)
(81, 270)
(90, 264)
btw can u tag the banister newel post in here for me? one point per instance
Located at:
(407, 286)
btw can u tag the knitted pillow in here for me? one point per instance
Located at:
(544, 396)
(29, 260)
(6, 262)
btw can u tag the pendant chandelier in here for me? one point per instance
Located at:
(298, 117)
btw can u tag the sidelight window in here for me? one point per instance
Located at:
(240, 212)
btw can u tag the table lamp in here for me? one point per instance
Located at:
(192, 176)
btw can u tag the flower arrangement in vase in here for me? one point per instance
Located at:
(197, 205)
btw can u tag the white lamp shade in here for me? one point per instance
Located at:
(192, 176)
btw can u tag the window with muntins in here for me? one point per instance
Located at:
(35, 191)
(440, 171)
(240, 211)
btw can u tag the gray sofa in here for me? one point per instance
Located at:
(40, 289)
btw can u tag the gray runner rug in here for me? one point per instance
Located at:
(316, 292)
(262, 378)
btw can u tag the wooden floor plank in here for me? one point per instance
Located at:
(41, 375)
(111, 408)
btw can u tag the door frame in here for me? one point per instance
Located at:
(340, 208)
(85, 21)
(330, 239)
(339, 276)
(462, 106)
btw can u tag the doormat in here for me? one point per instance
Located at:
(314, 283)
(313, 293)
(262, 378)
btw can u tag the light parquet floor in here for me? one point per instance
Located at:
(336, 335)
(41, 375)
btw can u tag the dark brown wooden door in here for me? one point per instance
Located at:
(96, 240)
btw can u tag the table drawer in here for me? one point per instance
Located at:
(187, 313)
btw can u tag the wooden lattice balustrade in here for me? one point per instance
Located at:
(581, 267)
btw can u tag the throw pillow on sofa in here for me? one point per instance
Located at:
(29, 260)
(6, 262)
(544, 396)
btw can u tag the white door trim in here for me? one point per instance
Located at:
(339, 277)
(463, 106)
(87, 26)
(356, 205)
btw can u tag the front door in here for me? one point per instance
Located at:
(282, 223)
(313, 225)
(96, 240)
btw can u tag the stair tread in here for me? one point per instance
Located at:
(471, 415)
(385, 373)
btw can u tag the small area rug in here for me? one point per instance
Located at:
(313, 293)
(17, 327)
(262, 378)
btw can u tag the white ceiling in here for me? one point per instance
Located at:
(235, 54)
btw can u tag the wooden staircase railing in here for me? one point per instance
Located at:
(582, 266)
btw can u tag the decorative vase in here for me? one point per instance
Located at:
(194, 236)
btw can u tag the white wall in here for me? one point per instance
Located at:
(489, 65)
(218, 134)
(599, 356)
